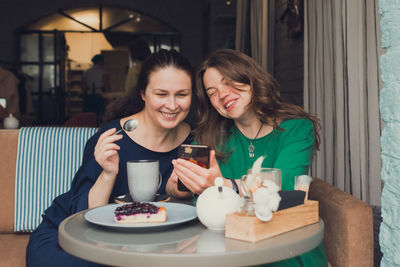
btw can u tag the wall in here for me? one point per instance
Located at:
(389, 235)
(221, 25)
(83, 46)
(288, 59)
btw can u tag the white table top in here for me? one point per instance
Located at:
(189, 244)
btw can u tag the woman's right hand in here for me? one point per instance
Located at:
(106, 152)
(106, 155)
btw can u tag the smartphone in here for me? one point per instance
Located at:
(199, 154)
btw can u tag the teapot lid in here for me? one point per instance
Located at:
(219, 183)
(219, 191)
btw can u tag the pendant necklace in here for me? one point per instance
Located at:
(251, 147)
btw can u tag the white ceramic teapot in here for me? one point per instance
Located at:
(214, 203)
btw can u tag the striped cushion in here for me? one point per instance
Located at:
(47, 160)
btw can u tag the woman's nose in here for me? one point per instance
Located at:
(223, 91)
(171, 103)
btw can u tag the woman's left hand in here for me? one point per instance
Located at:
(195, 177)
(172, 187)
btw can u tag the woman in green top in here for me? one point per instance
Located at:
(243, 117)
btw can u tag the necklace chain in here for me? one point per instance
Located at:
(251, 147)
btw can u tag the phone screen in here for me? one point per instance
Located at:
(198, 154)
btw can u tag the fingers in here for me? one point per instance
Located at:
(188, 165)
(191, 179)
(110, 146)
(105, 156)
(108, 136)
(172, 187)
(110, 152)
(184, 168)
(107, 133)
(195, 177)
(173, 178)
(106, 151)
(106, 148)
(215, 171)
(189, 183)
(213, 159)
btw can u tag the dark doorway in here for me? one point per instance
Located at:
(43, 52)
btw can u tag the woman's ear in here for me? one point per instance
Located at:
(142, 95)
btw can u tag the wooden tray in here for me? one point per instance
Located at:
(249, 228)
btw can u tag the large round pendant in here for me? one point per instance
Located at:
(251, 149)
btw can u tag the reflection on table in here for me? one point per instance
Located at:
(188, 244)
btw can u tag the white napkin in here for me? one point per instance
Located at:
(254, 176)
(266, 200)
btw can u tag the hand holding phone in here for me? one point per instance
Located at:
(198, 154)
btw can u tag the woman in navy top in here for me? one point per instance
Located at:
(160, 103)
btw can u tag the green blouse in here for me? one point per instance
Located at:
(289, 149)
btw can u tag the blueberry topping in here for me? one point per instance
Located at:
(135, 208)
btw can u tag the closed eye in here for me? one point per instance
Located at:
(211, 91)
(183, 94)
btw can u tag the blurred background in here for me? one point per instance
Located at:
(48, 45)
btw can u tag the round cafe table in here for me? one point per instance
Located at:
(188, 244)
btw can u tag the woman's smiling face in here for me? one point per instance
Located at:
(168, 96)
(230, 99)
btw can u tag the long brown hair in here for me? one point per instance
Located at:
(133, 102)
(212, 128)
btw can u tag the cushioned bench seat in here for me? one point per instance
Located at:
(41, 151)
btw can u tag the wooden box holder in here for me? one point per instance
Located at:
(248, 228)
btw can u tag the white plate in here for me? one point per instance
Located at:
(177, 213)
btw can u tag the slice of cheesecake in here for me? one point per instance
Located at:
(140, 212)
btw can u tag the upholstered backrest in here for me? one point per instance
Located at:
(8, 157)
(47, 160)
(348, 235)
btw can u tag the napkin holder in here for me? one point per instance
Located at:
(248, 228)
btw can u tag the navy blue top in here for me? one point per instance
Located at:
(76, 199)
